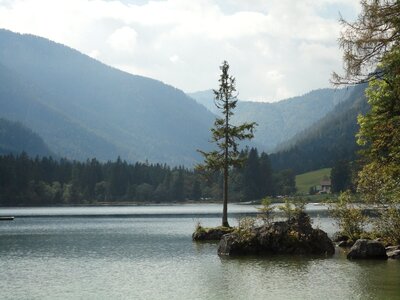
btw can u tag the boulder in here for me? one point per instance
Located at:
(393, 252)
(340, 237)
(343, 244)
(392, 248)
(295, 236)
(234, 244)
(367, 249)
(210, 234)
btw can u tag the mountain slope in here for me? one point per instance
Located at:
(16, 138)
(280, 121)
(327, 141)
(96, 110)
(21, 102)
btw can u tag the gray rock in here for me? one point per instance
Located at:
(339, 237)
(392, 248)
(291, 237)
(367, 249)
(393, 252)
(345, 244)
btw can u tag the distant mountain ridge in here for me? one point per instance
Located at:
(16, 138)
(282, 120)
(328, 140)
(83, 108)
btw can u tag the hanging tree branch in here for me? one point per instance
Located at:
(365, 41)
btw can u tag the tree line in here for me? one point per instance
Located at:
(26, 181)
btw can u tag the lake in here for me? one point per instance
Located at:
(146, 252)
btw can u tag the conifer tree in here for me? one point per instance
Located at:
(226, 135)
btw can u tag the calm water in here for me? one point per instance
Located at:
(147, 253)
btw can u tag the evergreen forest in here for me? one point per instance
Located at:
(43, 181)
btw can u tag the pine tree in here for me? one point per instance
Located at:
(226, 135)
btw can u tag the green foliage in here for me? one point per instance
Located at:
(285, 182)
(245, 228)
(256, 175)
(379, 179)
(368, 39)
(224, 133)
(45, 181)
(373, 42)
(266, 211)
(292, 208)
(312, 190)
(387, 225)
(226, 136)
(348, 216)
(26, 181)
(341, 176)
(198, 227)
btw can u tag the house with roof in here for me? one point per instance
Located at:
(326, 186)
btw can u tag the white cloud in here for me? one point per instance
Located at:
(174, 58)
(276, 48)
(123, 40)
(94, 53)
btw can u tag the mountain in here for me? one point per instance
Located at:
(22, 102)
(205, 98)
(83, 108)
(328, 140)
(16, 138)
(282, 120)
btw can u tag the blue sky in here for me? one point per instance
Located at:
(276, 48)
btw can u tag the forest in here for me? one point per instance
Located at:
(39, 181)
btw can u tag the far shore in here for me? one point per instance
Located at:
(277, 200)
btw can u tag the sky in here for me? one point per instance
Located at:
(276, 48)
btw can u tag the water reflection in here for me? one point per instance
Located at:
(153, 257)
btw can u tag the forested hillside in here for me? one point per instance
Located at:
(16, 138)
(83, 108)
(327, 141)
(26, 181)
(282, 120)
(21, 102)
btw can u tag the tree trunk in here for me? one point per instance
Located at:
(225, 199)
(226, 168)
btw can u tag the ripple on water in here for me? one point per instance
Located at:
(154, 258)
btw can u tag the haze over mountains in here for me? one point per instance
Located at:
(82, 108)
(16, 138)
(280, 121)
(327, 141)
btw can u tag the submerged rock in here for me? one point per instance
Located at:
(367, 249)
(295, 236)
(210, 234)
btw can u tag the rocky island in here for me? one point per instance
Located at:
(294, 236)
